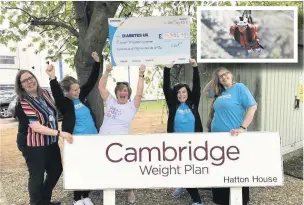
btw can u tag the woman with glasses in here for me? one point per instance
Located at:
(38, 136)
(78, 119)
(120, 109)
(184, 117)
(232, 110)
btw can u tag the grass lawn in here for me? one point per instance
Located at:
(152, 106)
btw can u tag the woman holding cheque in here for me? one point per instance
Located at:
(183, 110)
(232, 110)
(120, 111)
(77, 116)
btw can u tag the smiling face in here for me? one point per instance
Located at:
(182, 95)
(225, 78)
(28, 83)
(74, 91)
(122, 95)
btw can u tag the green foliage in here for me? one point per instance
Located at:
(54, 39)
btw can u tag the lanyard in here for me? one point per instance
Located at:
(41, 102)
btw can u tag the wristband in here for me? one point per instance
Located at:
(142, 76)
(58, 133)
(243, 127)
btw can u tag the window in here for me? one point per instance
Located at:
(7, 60)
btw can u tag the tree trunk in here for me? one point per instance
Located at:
(93, 30)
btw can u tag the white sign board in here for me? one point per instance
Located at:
(149, 40)
(173, 160)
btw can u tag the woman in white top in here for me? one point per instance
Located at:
(120, 111)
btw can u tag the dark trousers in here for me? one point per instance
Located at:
(40, 160)
(194, 195)
(79, 194)
(222, 195)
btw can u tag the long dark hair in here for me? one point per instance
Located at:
(21, 93)
(177, 87)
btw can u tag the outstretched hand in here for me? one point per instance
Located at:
(170, 65)
(142, 69)
(193, 62)
(95, 56)
(109, 67)
(50, 70)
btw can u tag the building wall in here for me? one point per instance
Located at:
(279, 91)
(274, 86)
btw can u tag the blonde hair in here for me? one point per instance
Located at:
(217, 90)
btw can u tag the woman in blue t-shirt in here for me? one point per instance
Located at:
(78, 118)
(183, 110)
(232, 110)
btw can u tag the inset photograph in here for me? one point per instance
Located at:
(247, 34)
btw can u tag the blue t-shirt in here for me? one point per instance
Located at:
(84, 122)
(184, 119)
(230, 108)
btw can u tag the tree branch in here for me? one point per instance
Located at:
(59, 51)
(42, 22)
(16, 8)
(37, 22)
(45, 30)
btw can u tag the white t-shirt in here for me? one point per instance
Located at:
(118, 117)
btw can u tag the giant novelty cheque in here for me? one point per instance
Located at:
(149, 40)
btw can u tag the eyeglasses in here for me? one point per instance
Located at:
(31, 78)
(224, 74)
(124, 83)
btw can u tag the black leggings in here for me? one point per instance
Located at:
(41, 160)
(194, 195)
(79, 194)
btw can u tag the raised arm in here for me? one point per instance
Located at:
(88, 86)
(140, 86)
(57, 93)
(196, 88)
(208, 90)
(102, 87)
(167, 84)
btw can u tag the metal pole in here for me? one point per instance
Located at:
(129, 79)
(60, 69)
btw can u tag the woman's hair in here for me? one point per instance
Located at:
(21, 93)
(66, 83)
(122, 85)
(177, 87)
(217, 90)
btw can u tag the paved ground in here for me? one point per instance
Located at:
(8, 122)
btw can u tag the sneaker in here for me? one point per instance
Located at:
(87, 201)
(178, 192)
(79, 202)
(196, 203)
